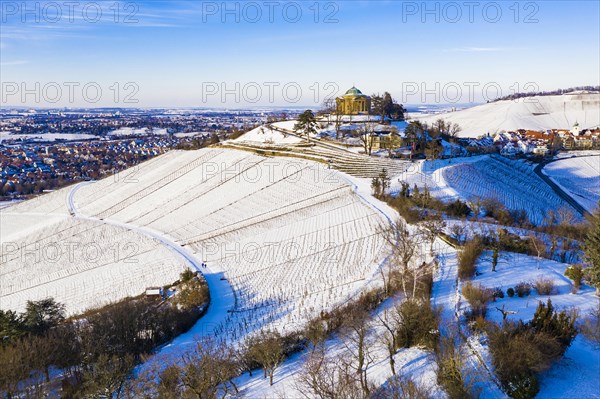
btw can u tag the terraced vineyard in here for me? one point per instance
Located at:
(512, 183)
(580, 177)
(290, 236)
(356, 165)
(80, 263)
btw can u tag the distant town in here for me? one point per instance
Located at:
(43, 150)
(536, 143)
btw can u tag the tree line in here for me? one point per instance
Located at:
(95, 351)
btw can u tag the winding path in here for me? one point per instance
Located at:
(446, 294)
(557, 189)
(221, 293)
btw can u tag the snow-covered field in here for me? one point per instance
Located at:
(534, 113)
(580, 177)
(265, 135)
(46, 136)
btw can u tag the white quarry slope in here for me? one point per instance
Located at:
(533, 113)
(580, 177)
(291, 237)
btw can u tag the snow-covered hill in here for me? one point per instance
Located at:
(80, 263)
(534, 113)
(291, 236)
(580, 177)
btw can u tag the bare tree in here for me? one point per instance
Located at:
(106, 378)
(390, 321)
(267, 349)
(454, 130)
(458, 232)
(431, 228)
(324, 377)
(355, 330)
(475, 203)
(565, 216)
(368, 137)
(404, 248)
(538, 246)
(339, 118)
(495, 244)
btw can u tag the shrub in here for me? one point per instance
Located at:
(405, 208)
(523, 289)
(402, 388)
(520, 351)
(478, 324)
(544, 286)
(517, 354)
(451, 374)
(591, 326)
(575, 273)
(467, 257)
(192, 294)
(418, 321)
(458, 208)
(510, 292)
(560, 326)
(498, 293)
(522, 386)
(186, 275)
(478, 297)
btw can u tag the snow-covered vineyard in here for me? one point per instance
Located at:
(579, 176)
(536, 113)
(82, 264)
(290, 235)
(286, 230)
(512, 183)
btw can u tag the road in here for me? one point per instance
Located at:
(557, 189)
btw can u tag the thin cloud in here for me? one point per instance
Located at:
(475, 49)
(13, 63)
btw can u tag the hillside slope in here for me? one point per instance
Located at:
(580, 177)
(534, 113)
(291, 237)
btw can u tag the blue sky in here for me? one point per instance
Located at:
(192, 53)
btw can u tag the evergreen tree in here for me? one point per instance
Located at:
(560, 325)
(591, 248)
(385, 181)
(386, 106)
(42, 315)
(11, 325)
(306, 124)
